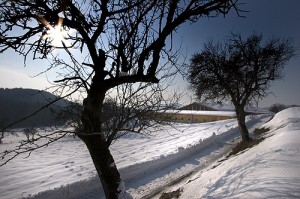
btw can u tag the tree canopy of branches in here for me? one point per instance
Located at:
(239, 70)
(102, 45)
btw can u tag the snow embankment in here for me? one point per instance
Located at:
(268, 170)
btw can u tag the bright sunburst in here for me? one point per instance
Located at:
(57, 33)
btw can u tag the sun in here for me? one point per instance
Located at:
(56, 34)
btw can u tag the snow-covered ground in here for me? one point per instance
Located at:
(268, 170)
(183, 158)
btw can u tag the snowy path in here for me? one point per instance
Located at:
(183, 169)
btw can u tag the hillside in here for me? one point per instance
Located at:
(18, 103)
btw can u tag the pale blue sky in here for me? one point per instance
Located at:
(271, 17)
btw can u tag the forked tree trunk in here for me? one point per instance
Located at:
(241, 118)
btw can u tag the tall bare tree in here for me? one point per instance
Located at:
(106, 44)
(239, 70)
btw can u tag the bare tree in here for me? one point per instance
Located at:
(239, 70)
(103, 45)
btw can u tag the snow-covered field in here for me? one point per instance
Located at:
(182, 158)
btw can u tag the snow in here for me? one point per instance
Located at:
(190, 157)
(268, 170)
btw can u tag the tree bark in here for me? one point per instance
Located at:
(241, 118)
(96, 142)
(105, 165)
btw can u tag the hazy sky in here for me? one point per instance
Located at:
(271, 17)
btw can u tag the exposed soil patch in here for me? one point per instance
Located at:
(242, 146)
(258, 132)
(171, 195)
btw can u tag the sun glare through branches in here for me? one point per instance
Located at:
(56, 34)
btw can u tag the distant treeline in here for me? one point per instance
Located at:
(279, 107)
(18, 103)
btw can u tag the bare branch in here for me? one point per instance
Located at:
(32, 144)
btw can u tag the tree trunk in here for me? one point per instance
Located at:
(241, 118)
(97, 144)
(105, 165)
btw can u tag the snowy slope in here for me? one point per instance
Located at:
(146, 162)
(268, 170)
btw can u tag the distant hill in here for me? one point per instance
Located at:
(18, 103)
